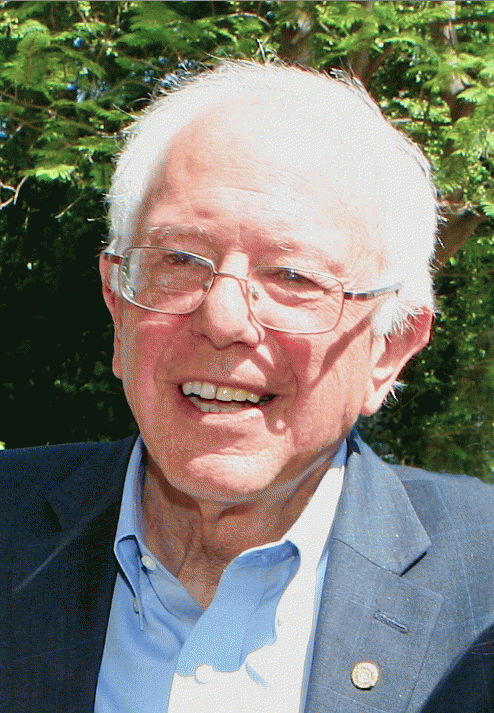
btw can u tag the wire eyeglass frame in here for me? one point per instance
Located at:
(252, 294)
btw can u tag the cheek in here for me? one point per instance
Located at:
(145, 346)
(332, 373)
(329, 358)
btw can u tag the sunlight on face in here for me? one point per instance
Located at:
(296, 395)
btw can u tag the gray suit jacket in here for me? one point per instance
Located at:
(409, 584)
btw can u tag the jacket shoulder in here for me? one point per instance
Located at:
(451, 485)
(442, 501)
(460, 507)
(409, 475)
(29, 472)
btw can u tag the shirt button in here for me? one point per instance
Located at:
(204, 673)
(365, 675)
(148, 563)
(136, 606)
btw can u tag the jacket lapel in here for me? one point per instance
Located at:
(369, 613)
(63, 589)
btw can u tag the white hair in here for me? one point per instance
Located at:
(346, 137)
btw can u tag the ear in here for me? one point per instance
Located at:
(114, 304)
(390, 355)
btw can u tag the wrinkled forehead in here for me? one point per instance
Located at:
(292, 172)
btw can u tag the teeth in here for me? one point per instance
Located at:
(187, 388)
(208, 391)
(215, 408)
(226, 394)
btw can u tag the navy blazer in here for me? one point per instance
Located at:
(409, 584)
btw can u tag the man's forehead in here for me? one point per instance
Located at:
(289, 189)
(287, 155)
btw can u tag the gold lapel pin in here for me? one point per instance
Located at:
(365, 675)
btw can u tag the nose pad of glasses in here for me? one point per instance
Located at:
(254, 293)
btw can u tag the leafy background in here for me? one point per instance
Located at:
(73, 74)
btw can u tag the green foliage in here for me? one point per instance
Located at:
(73, 74)
(415, 61)
(445, 414)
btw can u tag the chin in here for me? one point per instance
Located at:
(225, 479)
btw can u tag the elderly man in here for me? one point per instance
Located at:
(268, 279)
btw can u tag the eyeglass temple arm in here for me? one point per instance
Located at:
(371, 294)
(111, 257)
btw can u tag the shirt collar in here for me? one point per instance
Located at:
(127, 546)
(308, 534)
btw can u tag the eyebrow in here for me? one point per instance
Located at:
(165, 230)
(325, 262)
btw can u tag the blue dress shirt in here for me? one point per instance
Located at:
(157, 631)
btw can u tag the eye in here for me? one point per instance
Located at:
(288, 278)
(176, 261)
(290, 275)
(179, 259)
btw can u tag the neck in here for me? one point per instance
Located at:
(196, 539)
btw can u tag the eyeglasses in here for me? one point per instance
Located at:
(286, 299)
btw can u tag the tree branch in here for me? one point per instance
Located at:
(374, 66)
(455, 231)
(296, 44)
(463, 20)
(15, 190)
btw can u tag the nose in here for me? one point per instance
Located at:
(225, 317)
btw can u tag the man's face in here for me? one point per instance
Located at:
(252, 210)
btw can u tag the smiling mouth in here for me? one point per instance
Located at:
(221, 399)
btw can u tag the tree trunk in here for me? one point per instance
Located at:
(455, 231)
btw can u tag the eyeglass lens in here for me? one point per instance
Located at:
(284, 298)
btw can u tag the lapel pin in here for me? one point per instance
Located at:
(365, 675)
